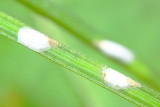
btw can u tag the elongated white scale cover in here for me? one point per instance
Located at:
(116, 51)
(116, 79)
(33, 39)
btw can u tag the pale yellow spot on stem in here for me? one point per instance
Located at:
(133, 83)
(53, 42)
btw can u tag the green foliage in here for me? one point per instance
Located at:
(124, 21)
(72, 24)
(81, 65)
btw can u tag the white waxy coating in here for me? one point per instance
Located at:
(117, 79)
(116, 51)
(33, 39)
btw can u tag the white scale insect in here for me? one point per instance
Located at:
(35, 40)
(116, 79)
(116, 51)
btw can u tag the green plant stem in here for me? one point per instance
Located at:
(81, 65)
(83, 32)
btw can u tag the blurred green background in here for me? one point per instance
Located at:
(30, 80)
